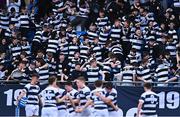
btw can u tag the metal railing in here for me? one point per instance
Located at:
(116, 83)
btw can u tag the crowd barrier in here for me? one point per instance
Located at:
(169, 100)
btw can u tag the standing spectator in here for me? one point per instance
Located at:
(128, 76)
(76, 73)
(82, 17)
(162, 73)
(43, 69)
(93, 71)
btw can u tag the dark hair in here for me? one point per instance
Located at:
(51, 80)
(35, 75)
(22, 62)
(109, 85)
(69, 83)
(148, 85)
(41, 61)
(98, 83)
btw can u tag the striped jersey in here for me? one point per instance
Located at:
(43, 75)
(145, 73)
(4, 21)
(84, 51)
(15, 50)
(150, 101)
(97, 50)
(32, 92)
(83, 12)
(61, 105)
(74, 95)
(102, 21)
(72, 49)
(84, 95)
(162, 73)
(49, 95)
(103, 37)
(24, 20)
(98, 102)
(52, 45)
(127, 75)
(113, 97)
(92, 73)
(92, 35)
(116, 33)
(171, 47)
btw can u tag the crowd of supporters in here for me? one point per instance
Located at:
(99, 39)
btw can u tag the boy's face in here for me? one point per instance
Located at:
(1, 67)
(77, 67)
(94, 64)
(77, 55)
(3, 55)
(101, 14)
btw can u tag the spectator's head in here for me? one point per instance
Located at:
(147, 86)
(93, 63)
(34, 78)
(52, 80)
(12, 10)
(163, 26)
(127, 23)
(171, 25)
(24, 41)
(2, 55)
(23, 55)
(15, 41)
(45, 27)
(133, 51)
(138, 32)
(101, 13)
(92, 27)
(96, 40)
(109, 86)
(40, 54)
(1, 66)
(68, 86)
(75, 40)
(167, 54)
(80, 82)
(11, 26)
(32, 65)
(76, 55)
(77, 66)
(141, 11)
(61, 56)
(3, 41)
(23, 10)
(98, 83)
(22, 65)
(117, 23)
(135, 12)
(146, 55)
(40, 62)
(49, 55)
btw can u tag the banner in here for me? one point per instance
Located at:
(169, 100)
